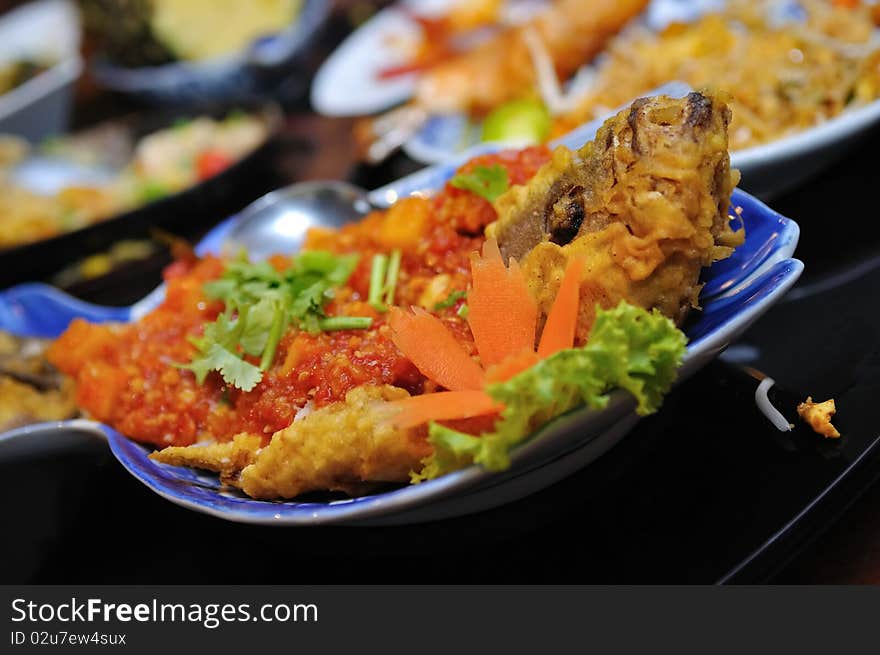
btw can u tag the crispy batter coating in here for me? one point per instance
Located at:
(818, 416)
(645, 204)
(227, 459)
(337, 447)
(501, 69)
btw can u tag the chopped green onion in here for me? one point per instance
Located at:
(463, 311)
(377, 282)
(278, 322)
(240, 322)
(451, 299)
(345, 323)
(391, 277)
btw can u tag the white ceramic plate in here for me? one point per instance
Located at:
(349, 82)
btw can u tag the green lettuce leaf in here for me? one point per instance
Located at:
(628, 348)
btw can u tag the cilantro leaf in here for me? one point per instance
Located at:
(487, 182)
(235, 371)
(255, 335)
(260, 303)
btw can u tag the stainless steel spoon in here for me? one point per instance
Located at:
(278, 222)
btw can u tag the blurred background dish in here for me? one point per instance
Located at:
(37, 74)
(151, 49)
(378, 65)
(804, 75)
(75, 196)
(31, 389)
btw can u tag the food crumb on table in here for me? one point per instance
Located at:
(818, 416)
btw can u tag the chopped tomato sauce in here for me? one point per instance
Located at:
(126, 374)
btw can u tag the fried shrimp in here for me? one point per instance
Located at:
(566, 33)
(502, 69)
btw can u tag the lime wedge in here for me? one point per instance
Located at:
(519, 120)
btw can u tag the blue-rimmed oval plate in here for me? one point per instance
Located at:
(737, 291)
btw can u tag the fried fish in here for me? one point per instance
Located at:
(645, 205)
(337, 447)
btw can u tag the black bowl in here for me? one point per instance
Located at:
(254, 71)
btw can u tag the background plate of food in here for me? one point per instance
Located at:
(390, 345)
(803, 76)
(241, 47)
(74, 196)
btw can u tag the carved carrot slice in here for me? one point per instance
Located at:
(429, 345)
(511, 366)
(562, 320)
(444, 405)
(501, 312)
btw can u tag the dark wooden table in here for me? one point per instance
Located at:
(835, 212)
